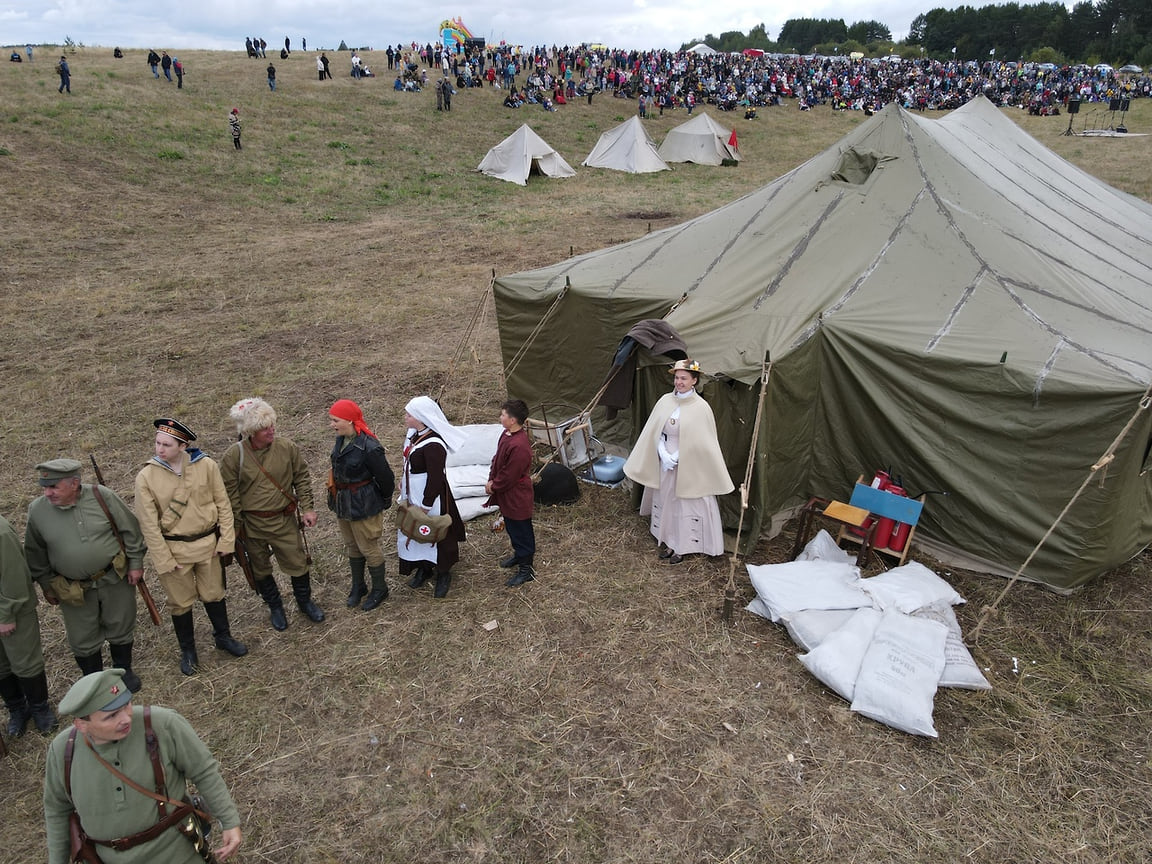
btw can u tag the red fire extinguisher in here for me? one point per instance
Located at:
(900, 533)
(882, 480)
(885, 527)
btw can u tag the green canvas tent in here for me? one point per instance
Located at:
(944, 296)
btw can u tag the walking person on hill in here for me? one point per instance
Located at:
(153, 63)
(234, 126)
(324, 60)
(166, 65)
(28, 49)
(65, 75)
(271, 77)
(178, 68)
(321, 67)
(360, 488)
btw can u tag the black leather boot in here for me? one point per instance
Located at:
(359, 589)
(91, 663)
(221, 632)
(122, 659)
(302, 591)
(443, 581)
(423, 574)
(524, 573)
(379, 592)
(18, 711)
(270, 592)
(186, 637)
(36, 694)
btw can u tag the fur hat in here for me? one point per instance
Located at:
(251, 415)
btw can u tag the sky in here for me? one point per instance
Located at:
(223, 24)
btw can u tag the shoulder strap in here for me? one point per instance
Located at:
(104, 506)
(152, 745)
(264, 471)
(69, 749)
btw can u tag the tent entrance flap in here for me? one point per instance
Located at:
(856, 166)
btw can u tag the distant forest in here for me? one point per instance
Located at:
(1110, 31)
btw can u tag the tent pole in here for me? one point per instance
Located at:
(730, 587)
(1101, 463)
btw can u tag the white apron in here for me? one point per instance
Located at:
(412, 490)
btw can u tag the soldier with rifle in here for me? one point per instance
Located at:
(187, 522)
(84, 547)
(271, 493)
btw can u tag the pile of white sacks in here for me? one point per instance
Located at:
(467, 468)
(884, 643)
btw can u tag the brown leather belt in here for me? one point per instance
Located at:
(358, 485)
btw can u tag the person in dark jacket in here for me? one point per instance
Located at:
(153, 62)
(359, 491)
(510, 488)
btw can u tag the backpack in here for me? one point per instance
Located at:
(59, 69)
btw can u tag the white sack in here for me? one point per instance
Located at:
(836, 661)
(810, 627)
(823, 547)
(909, 588)
(960, 670)
(807, 585)
(898, 678)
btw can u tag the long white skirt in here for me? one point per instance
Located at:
(687, 526)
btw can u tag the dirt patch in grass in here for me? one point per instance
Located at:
(611, 715)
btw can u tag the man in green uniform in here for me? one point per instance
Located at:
(23, 685)
(86, 566)
(186, 521)
(268, 484)
(110, 735)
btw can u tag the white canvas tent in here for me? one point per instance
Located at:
(702, 49)
(627, 147)
(523, 153)
(701, 140)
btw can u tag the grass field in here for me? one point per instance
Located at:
(150, 269)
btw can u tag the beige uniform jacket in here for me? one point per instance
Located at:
(185, 504)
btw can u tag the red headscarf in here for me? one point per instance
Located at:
(346, 409)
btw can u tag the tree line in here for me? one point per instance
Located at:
(1111, 31)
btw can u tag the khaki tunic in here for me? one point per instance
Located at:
(172, 505)
(251, 493)
(109, 809)
(20, 652)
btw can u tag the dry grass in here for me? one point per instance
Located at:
(611, 716)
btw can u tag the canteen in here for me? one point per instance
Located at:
(608, 469)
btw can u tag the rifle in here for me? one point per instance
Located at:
(242, 557)
(141, 586)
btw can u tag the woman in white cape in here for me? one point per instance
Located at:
(677, 459)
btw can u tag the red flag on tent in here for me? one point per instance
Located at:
(732, 141)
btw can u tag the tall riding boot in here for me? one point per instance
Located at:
(36, 693)
(443, 580)
(18, 711)
(379, 592)
(270, 591)
(218, 615)
(302, 591)
(91, 663)
(524, 573)
(359, 589)
(423, 574)
(122, 658)
(186, 637)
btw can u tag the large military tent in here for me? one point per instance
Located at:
(627, 147)
(945, 296)
(701, 140)
(522, 154)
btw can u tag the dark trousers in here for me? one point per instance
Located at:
(523, 539)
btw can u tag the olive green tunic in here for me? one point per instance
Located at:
(20, 652)
(109, 809)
